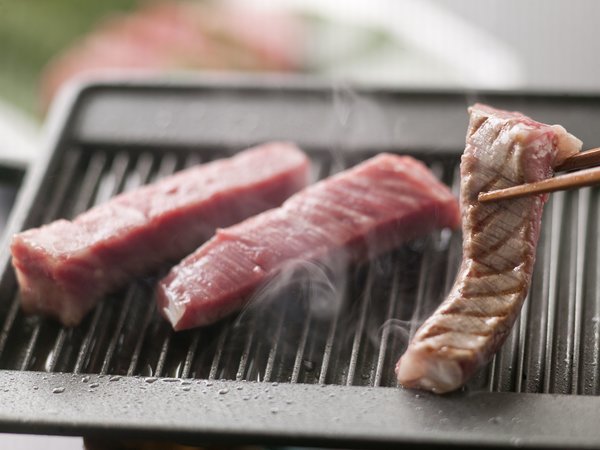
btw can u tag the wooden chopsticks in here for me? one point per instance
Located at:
(581, 178)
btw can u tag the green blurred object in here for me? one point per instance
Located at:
(33, 31)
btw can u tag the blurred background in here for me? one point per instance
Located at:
(456, 44)
(410, 44)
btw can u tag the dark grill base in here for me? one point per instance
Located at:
(319, 326)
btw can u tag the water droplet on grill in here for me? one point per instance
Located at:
(309, 366)
(223, 391)
(85, 379)
(94, 385)
(275, 384)
(150, 379)
(58, 390)
(186, 383)
(239, 388)
(274, 410)
(246, 397)
(114, 378)
(187, 388)
(208, 383)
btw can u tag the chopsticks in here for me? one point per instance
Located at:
(581, 178)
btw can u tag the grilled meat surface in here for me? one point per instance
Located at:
(64, 268)
(358, 213)
(503, 149)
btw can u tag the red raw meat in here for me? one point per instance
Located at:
(64, 268)
(361, 212)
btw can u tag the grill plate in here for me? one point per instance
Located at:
(346, 328)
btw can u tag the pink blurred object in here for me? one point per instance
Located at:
(180, 35)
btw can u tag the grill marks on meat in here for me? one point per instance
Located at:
(503, 149)
(64, 268)
(358, 213)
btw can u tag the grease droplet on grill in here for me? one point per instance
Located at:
(274, 410)
(150, 379)
(58, 390)
(94, 385)
(114, 378)
(223, 391)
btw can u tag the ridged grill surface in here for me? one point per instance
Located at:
(317, 325)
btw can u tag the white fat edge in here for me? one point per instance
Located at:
(567, 144)
(174, 312)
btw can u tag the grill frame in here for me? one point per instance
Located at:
(391, 416)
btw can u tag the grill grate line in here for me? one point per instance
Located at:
(57, 349)
(419, 310)
(131, 293)
(135, 356)
(84, 350)
(274, 345)
(162, 357)
(31, 344)
(583, 216)
(535, 343)
(491, 369)
(214, 367)
(300, 351)
(89, 185)
(248, 341)
(356, 343)
(385, 333)
(8, 323)
(557, 214)
(595, 319)
(190, 355)
(566, 363)
(328, 349)
(523, 320)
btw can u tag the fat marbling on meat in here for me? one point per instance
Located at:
(64, 268)
(361, 212)
(503, 149)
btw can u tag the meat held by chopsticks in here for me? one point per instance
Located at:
(64, 268)
(358, 213)
(503, 149)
